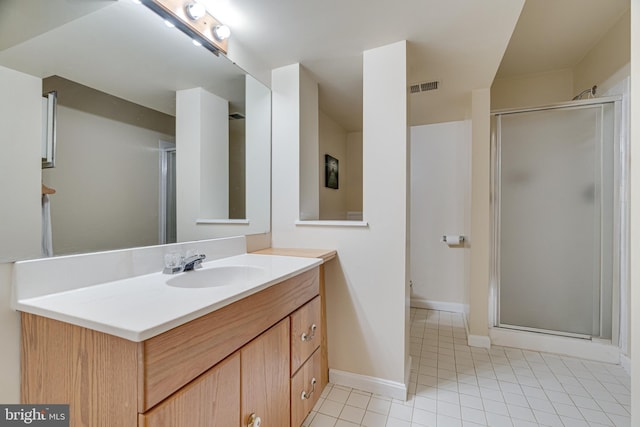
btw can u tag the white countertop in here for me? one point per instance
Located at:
(142, 307)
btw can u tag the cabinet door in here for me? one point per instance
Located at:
(211, 400)
(265, 377)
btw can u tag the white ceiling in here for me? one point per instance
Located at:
(458, 42)
(461, 43)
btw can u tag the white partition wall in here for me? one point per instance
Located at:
(309, 149)
(202, 135)
(20, 124)
(367, 286)
(258, 148)
(20, 120)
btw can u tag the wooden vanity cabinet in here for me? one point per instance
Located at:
(254, 380)
(216, 370)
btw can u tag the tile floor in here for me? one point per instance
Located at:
(454, 385)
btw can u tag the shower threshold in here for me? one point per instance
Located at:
(545, 331)
(574, 345)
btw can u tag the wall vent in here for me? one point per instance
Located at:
(424, 86)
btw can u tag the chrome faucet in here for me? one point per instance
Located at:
(185, 264)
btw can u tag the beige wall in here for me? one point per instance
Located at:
(610, 54)
(107, 184)
(333, 141)
(604, 60)
(237, 163)
(533, 89)
(479, 242)
(347, 148)
(309, 148)
(107, 170)
(354, 172)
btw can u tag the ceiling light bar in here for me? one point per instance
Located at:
(192, 18)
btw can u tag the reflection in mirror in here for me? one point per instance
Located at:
(340, 199)
(116, 69)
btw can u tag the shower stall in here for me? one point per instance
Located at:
(558, 175)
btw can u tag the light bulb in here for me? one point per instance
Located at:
(169, 23)
(195, 11)
(221, 32)
(196, 42)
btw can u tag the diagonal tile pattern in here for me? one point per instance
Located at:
(454, 385)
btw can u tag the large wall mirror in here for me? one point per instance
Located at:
(157, 140)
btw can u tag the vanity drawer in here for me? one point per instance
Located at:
(306, 333)
(305, 389)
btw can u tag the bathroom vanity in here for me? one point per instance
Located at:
(260, 359)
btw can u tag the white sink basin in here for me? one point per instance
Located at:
(210, 277)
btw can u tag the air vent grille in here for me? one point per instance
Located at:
(424, 87)
(429, 86)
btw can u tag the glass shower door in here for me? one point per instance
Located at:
(552, 218)
(168, 216)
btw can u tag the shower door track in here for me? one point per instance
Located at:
(544, 331)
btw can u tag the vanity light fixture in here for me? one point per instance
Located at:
(192, 18)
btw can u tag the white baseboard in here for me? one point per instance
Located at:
(625, 362)
(453, 307)
(574, 347)
(373, 385)
(479, 341)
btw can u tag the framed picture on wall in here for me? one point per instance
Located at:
(330, 172)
